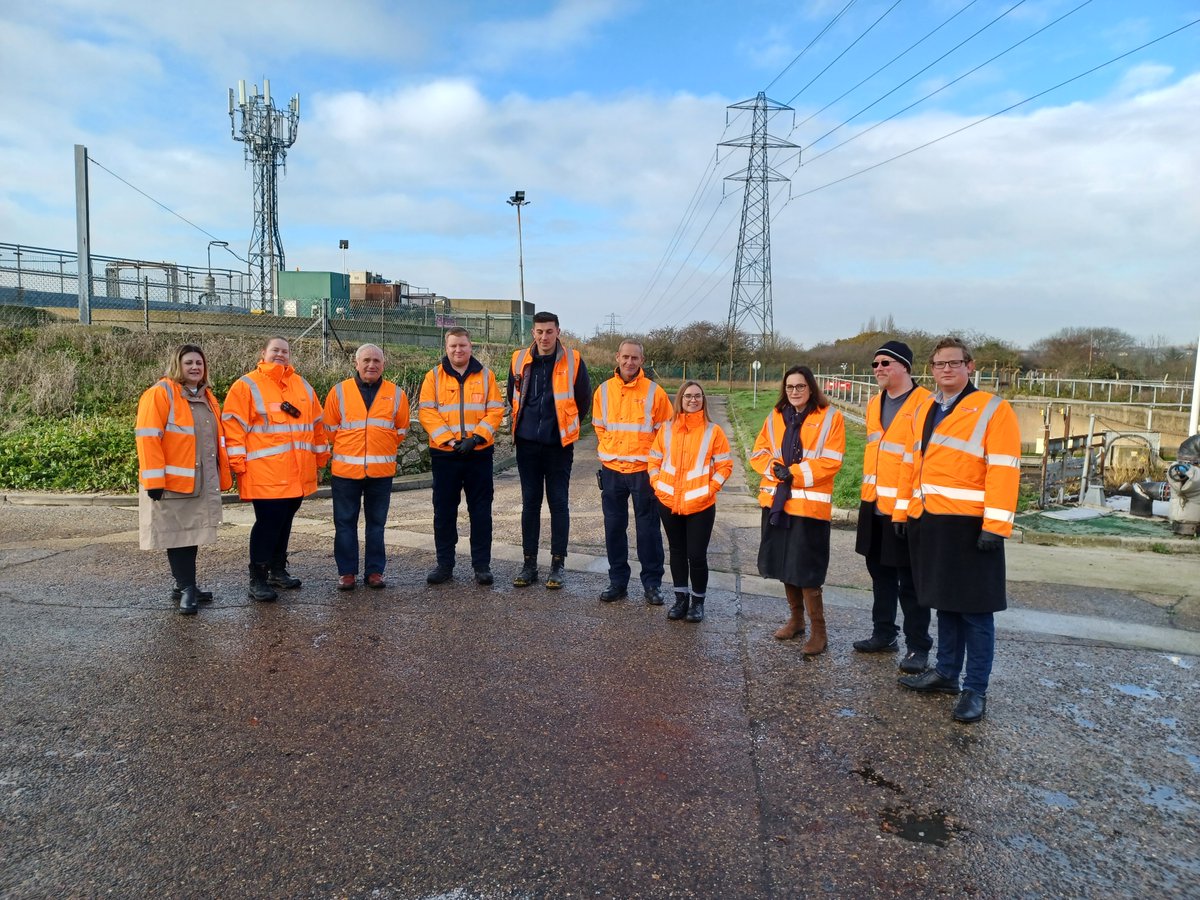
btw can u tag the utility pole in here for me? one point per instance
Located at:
(751, 297)
(518, 200)
(267, 134)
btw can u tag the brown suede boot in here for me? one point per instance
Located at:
(793, 627)
(814, 604)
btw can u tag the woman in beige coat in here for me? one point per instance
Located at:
(182, 469)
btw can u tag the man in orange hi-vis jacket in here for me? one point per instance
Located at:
(961, 475)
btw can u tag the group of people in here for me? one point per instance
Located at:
(939, 487)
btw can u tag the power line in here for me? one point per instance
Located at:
(894, 59)
(849, 47)
(1001, 112)
(948, 84)
(925, 69)
(810, 44)
(182, 218)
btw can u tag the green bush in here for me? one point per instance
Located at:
(80, 454)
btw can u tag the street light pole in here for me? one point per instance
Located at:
(518, 200)
(210, 286)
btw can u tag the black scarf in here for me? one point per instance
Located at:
(791, 452)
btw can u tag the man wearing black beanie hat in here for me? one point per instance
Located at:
(889, 418)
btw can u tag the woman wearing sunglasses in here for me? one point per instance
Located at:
(182, 468)
(276, 445)
(798, 452)
(689, 463)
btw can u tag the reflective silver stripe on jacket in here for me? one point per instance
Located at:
(171, 424)
(973, 446)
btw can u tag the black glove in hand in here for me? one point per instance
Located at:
(781, 472)
(901, 529)
(155, 493)
(988, 542)
(466, 445)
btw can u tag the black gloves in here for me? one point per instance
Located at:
(988, 542)
(155, 493)
(466, 445)
(901, 529)
(781, 472)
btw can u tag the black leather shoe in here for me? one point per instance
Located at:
(439, 575)
(679, 609)
(654, 596)
(915, 662)
(201, 596)
(929, 682)
(696, 613)
(528, 574)
(970, 707)
(877, 644)
(281, 578)
(187, 602)
(558, 573)
(484, 577)
(613, 592)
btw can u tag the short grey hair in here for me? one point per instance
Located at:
(359, 352)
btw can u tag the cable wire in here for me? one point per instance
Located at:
(1006, 109)
(182, 218)
(850, 47)
(810, 44)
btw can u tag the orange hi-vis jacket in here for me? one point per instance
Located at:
(275, 455)
(166, 439)
(566, 367)
(626, 416)
(689, 462)
(884, 452)
(451, 410)
(823, 445)
(970, 467)
(364, 442)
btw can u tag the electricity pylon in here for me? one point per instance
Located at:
(751, 297)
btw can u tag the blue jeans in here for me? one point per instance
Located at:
(972, 635)
(545, 470)
(373, 495)
(454, 475)
(893, 586)
(616, 490)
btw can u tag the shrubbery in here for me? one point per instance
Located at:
(78, 454)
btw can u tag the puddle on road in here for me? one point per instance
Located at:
(935, 827)
(1165, 798)
(868, 774)
(1179, 661)
(847, 713)
(1056, 798)
(1135, 690)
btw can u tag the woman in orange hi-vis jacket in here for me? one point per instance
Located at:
(689, 463)
(182, 468)
(798, 451)
(276, 442)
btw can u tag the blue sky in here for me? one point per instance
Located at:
(1079, 208)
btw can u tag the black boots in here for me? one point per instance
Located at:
(279, 576)
(259, 589)
(528, 574)
(696, 613)
(187, 601)
(558, 573)
(680, 607)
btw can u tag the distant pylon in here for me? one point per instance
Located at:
(751, 297)
(267, 133)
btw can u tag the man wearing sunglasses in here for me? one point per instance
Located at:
(961, 473)
(889, 420)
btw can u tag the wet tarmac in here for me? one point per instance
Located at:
(466, 742)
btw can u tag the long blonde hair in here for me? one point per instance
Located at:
(175, 364)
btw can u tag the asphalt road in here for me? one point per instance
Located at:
(464, 742)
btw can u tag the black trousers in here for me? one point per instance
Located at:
(687, 539)
(272, 530)
(893, 586)
(182, 561)
(453, 476)
(545, 471)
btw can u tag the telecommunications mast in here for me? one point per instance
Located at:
(267, 133)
